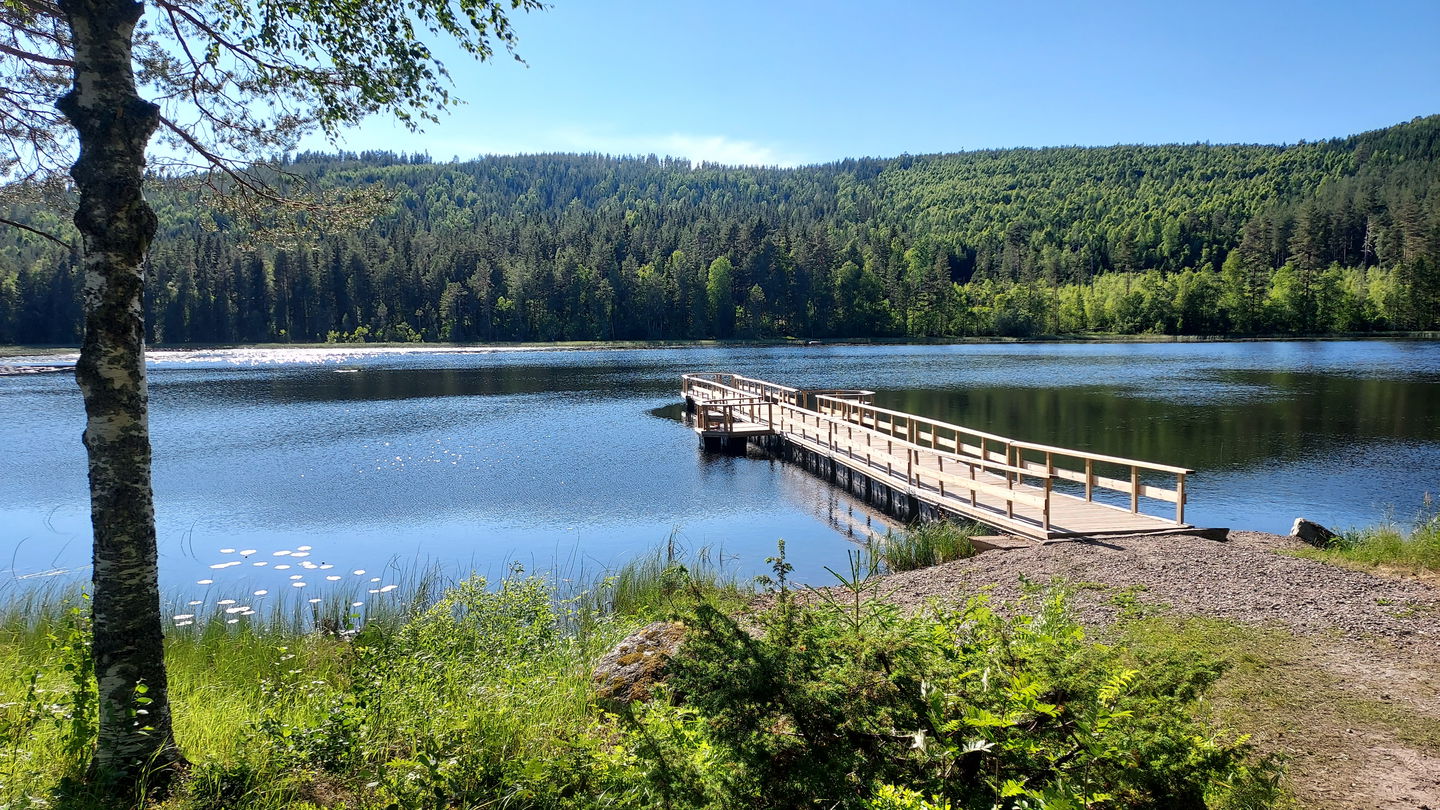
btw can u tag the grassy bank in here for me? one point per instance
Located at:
(1390, 547)
(1334, 725)
(479, 694)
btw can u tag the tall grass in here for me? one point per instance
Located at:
(1415, 547)
(922, 545)
(472, 689)
(658, 583)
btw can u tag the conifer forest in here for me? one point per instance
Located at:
(1338, 236)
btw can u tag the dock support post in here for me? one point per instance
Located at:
(1180, 498)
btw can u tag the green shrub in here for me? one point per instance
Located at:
(479, 695)
(845, 702)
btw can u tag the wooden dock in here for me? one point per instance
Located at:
(921, 467)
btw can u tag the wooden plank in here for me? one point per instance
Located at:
(990, 481)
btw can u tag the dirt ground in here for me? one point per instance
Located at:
(1338, 670)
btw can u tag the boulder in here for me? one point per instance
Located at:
(1309, 531)
(630, 671)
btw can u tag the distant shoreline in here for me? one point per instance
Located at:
(611, 345)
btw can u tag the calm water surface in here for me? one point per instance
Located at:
(575, 458)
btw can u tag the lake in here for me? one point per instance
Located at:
(355, 459)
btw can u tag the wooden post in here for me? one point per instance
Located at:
(1180, 497)
(1045, 509)
(910, 467)
(972, 489)
(1134, 488)
(1089, 479)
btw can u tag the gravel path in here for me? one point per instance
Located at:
(1243, 578)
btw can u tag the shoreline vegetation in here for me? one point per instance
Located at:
(870, 693)
(612, 345)
(1390, 547)
(1324, 237)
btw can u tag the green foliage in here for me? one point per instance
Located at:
(656, 584)
(922, 545)
(1415, 547)
(846, 702)
(1314, 238)
(360, 334)
(479, 695)
(56, 700)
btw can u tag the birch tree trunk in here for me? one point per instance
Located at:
(136, 744)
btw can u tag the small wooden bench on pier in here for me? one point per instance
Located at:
(916, 467)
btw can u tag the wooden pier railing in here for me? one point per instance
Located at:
(848, 425)
(1057, 462)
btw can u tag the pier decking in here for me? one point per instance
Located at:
(1022, 488)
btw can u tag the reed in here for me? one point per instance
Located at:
(923, 544)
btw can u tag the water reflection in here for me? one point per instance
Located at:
(1256, 418)
(579, 455)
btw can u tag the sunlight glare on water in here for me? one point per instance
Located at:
(573, 459)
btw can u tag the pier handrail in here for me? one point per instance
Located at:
(915, 474)
(1013, 451)
(1012, 457)
(720, 413)
(985, 463)
(730, 398)
(775, 391)
(989, 464)
(1149, 465)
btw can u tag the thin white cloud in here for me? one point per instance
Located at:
(698, 148)
(695, 147)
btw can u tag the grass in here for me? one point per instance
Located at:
(477, 693)
(654, 585)
(1289, 696)
(922, 545)
(1390, 546)
(463, 689)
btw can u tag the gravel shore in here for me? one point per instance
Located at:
(1248, 578)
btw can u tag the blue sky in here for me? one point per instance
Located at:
(805, 82)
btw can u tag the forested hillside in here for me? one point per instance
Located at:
(1334, 236)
